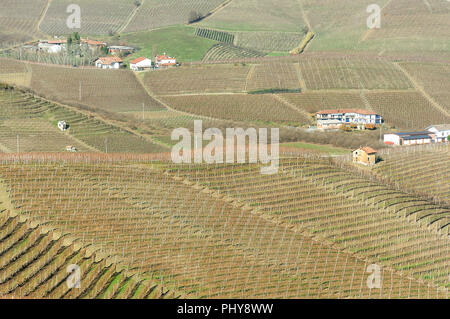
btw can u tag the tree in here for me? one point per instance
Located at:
(194, 16)
(76, 36)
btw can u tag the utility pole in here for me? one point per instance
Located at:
(143, 111)
(106, 145)
(18, 144)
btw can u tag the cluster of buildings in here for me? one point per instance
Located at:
(334, 119)
(139, 64)
(108, 62)
(59, 45)
(432, 134)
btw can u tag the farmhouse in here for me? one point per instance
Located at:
(365, 156)
(441, 131)
(108, 63)
(93, 44)
(120, 49)
(62, 125)
(52, 46)
(409, 138)
(328, 119)
(140, 64)
(164, 61)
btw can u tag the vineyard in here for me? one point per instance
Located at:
(274, 76)
(262, 15)
(434, 80)
(35, 260)
(198, 79)
(177, 224)
(93, 21)
(240, 107)
(225, 52)
(110, 90)
(268, 41)
(221, 36)
(415, 18)
(314, 101)
(18, 20)
(29, 124)
(409, 110)
(157, 13)
(358, 73)
(420, 170)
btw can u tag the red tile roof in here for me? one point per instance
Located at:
(369, 150)
(138, 60)
(109, 60)
(338, 111)
(92, 42)
(57, 41)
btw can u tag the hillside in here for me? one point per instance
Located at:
(160, 220)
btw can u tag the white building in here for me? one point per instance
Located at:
(327, 119)
(140, 64)
(62, 125)
(164, 61)
(441, 131)
(409, 138)
(108, 62)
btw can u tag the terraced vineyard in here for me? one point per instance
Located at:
(225, 52)
(382, 224)
(93, 20)
(29, 124)
(216, 35)
(35, 262)
(179, 232)
(424, 170)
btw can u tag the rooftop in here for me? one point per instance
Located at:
(140, 59)
(369, 150)
(342, 111)
(109, 60)
(440, 127)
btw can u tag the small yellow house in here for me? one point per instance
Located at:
(365, 156)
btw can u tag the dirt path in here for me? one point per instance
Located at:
(305, 17)
(301, 81)
(41, 18)
(419, 88)
(130, 18)
(249, 76)
(292, 106)
(222, 6)
(167, 106)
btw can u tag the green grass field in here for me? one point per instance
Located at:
(178, 41)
